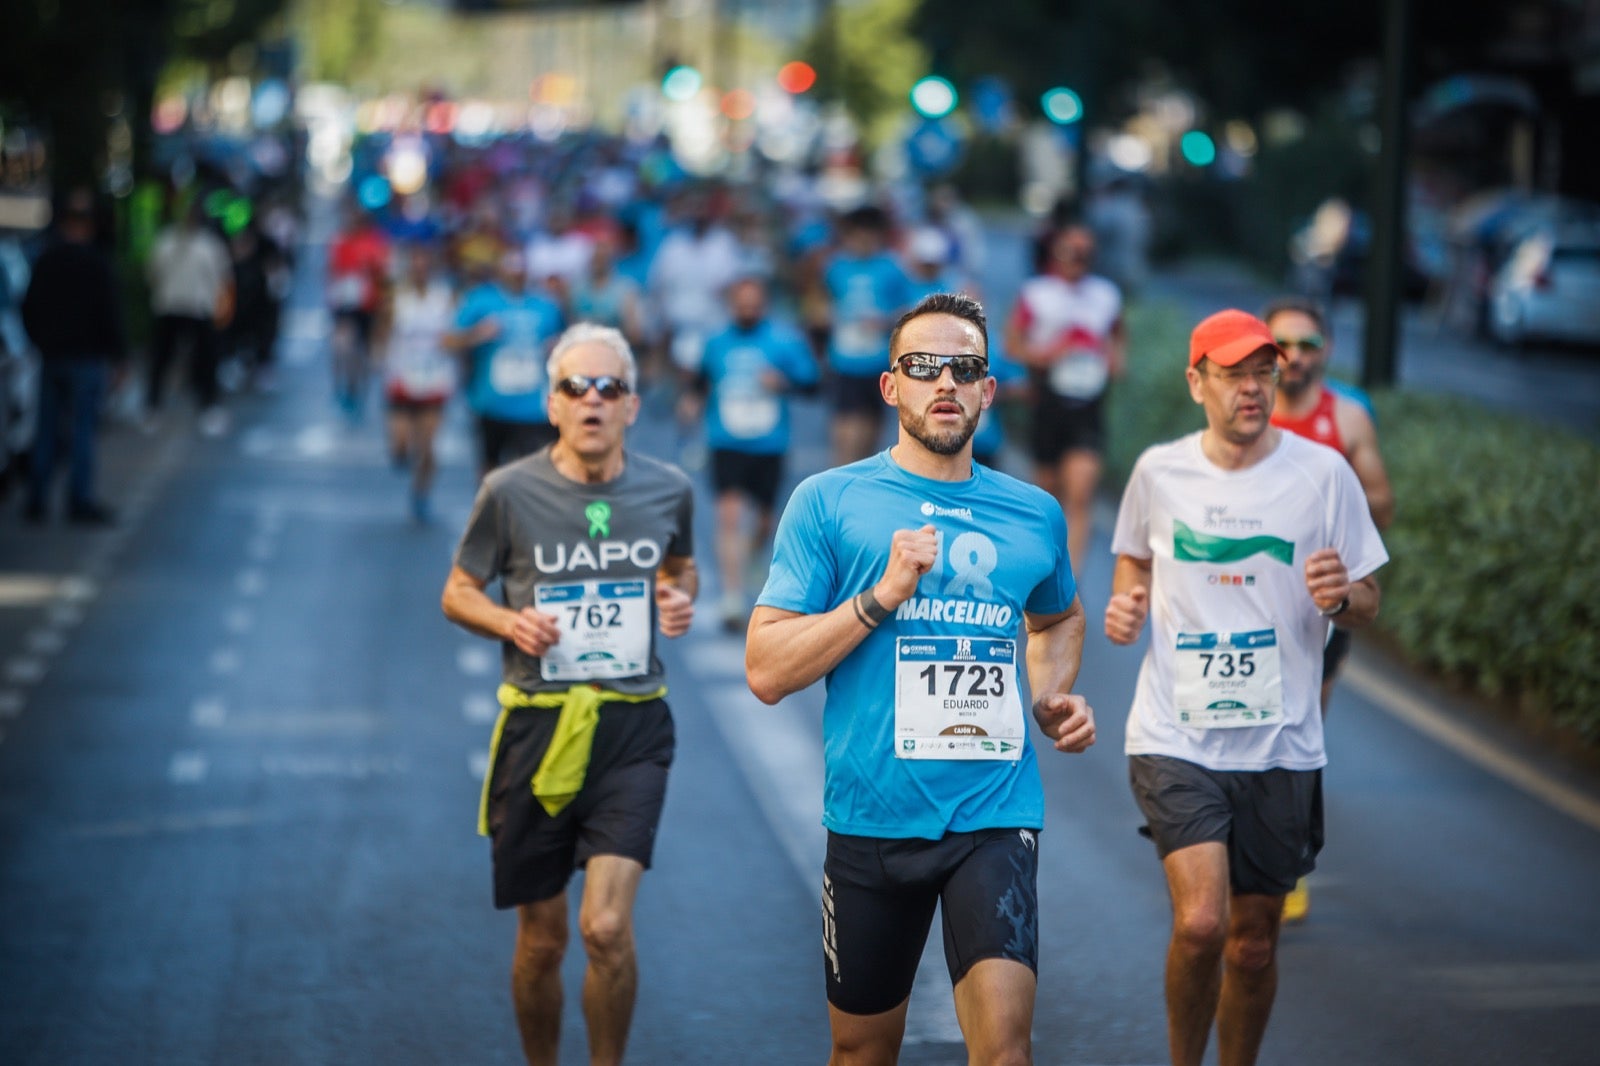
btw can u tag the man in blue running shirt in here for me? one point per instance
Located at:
(902, 579)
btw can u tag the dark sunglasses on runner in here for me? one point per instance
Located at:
(925, 366)
(1312, 343)
(577, 386)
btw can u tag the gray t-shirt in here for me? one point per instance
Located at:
(587, 554)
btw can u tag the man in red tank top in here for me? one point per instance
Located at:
(1308, 407)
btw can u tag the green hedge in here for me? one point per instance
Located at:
(1495, 553)
(1494, 572)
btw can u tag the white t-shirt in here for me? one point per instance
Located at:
(1229, 610)
(188, 269)
(416, 366)
(1084, 313)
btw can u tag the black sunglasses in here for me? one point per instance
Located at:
(577, 386)
(925, 366)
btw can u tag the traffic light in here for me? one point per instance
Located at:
(681, 84)
(1198, 148)
(1061, 105)
(934, 97)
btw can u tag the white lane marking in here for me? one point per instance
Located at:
(25, 670)
(46, 641)
(355, 768)
(186, 823)
(64, 615)
(717, 659)
(1518, 986)
(478, 764)
(28, 590)
(11, 703)
(251, 582)
(479, 707)
(208, 712)
(239, 621)
(225, 661)
(79, 590)
(1469, 745)
(301, 723)
(188, 768)
(475, 660)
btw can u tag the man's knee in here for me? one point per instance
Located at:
(541, 939)
(1251, 952)
(607, 933)
(1201, 931)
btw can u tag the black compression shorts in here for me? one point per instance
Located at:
(1270, 820)
(757, 476)
(615, 813)
(878, 898)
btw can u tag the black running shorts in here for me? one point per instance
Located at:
(878, 898)
(855, 394)
(501, 442)
(757, 476)
(1270, 820)
(1062, 425)
(616, 812)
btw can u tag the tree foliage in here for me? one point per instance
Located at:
(868, 59)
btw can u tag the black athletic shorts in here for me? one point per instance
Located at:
(616, 812)
(757, 476)
(1062, 425)
(1270, 820)
(1335, 652)
(501, 442)
(854, 394)
(878, 897)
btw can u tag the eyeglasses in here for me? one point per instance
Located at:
(577, 386)
(926, 366)
(1234, 376)
(1313, 343)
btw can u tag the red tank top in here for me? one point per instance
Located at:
(1318, 424)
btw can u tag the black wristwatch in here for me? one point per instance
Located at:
(1344, 605)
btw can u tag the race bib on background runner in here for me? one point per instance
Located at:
(957, 698)
(605, 629)
(1081, 374)
(1228, 680)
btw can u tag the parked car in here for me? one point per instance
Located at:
(19, 366)
(1549, 287)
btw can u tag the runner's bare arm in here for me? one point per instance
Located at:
(1117, 349)
(468, 606)
(1361, 448)
(1055, 651)
(785, 651)
(1130, 599)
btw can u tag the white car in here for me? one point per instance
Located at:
(1549, 287)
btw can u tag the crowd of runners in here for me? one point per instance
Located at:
(557, 291)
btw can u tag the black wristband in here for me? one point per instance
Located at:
(873, 611)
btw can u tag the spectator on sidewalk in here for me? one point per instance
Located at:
(191, 295)
(72, 315)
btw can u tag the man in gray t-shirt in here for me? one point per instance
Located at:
(592, 546)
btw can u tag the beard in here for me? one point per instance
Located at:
(940, 442)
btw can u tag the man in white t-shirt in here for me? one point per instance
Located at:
(1240, 542)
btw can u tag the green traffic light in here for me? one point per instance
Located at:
(933, 97)
(1061, 105)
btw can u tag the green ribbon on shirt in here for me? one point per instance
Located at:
(1190, 546)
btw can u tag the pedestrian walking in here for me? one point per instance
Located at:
(191, 297)
(72, 314)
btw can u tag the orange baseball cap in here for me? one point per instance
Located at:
(1228, 337)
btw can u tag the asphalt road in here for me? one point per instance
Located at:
(240, 752)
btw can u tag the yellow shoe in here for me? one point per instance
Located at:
(1297, 904)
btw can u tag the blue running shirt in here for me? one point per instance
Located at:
(507, 375)
(744, 415)
(868, 295)
(1003, 550)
